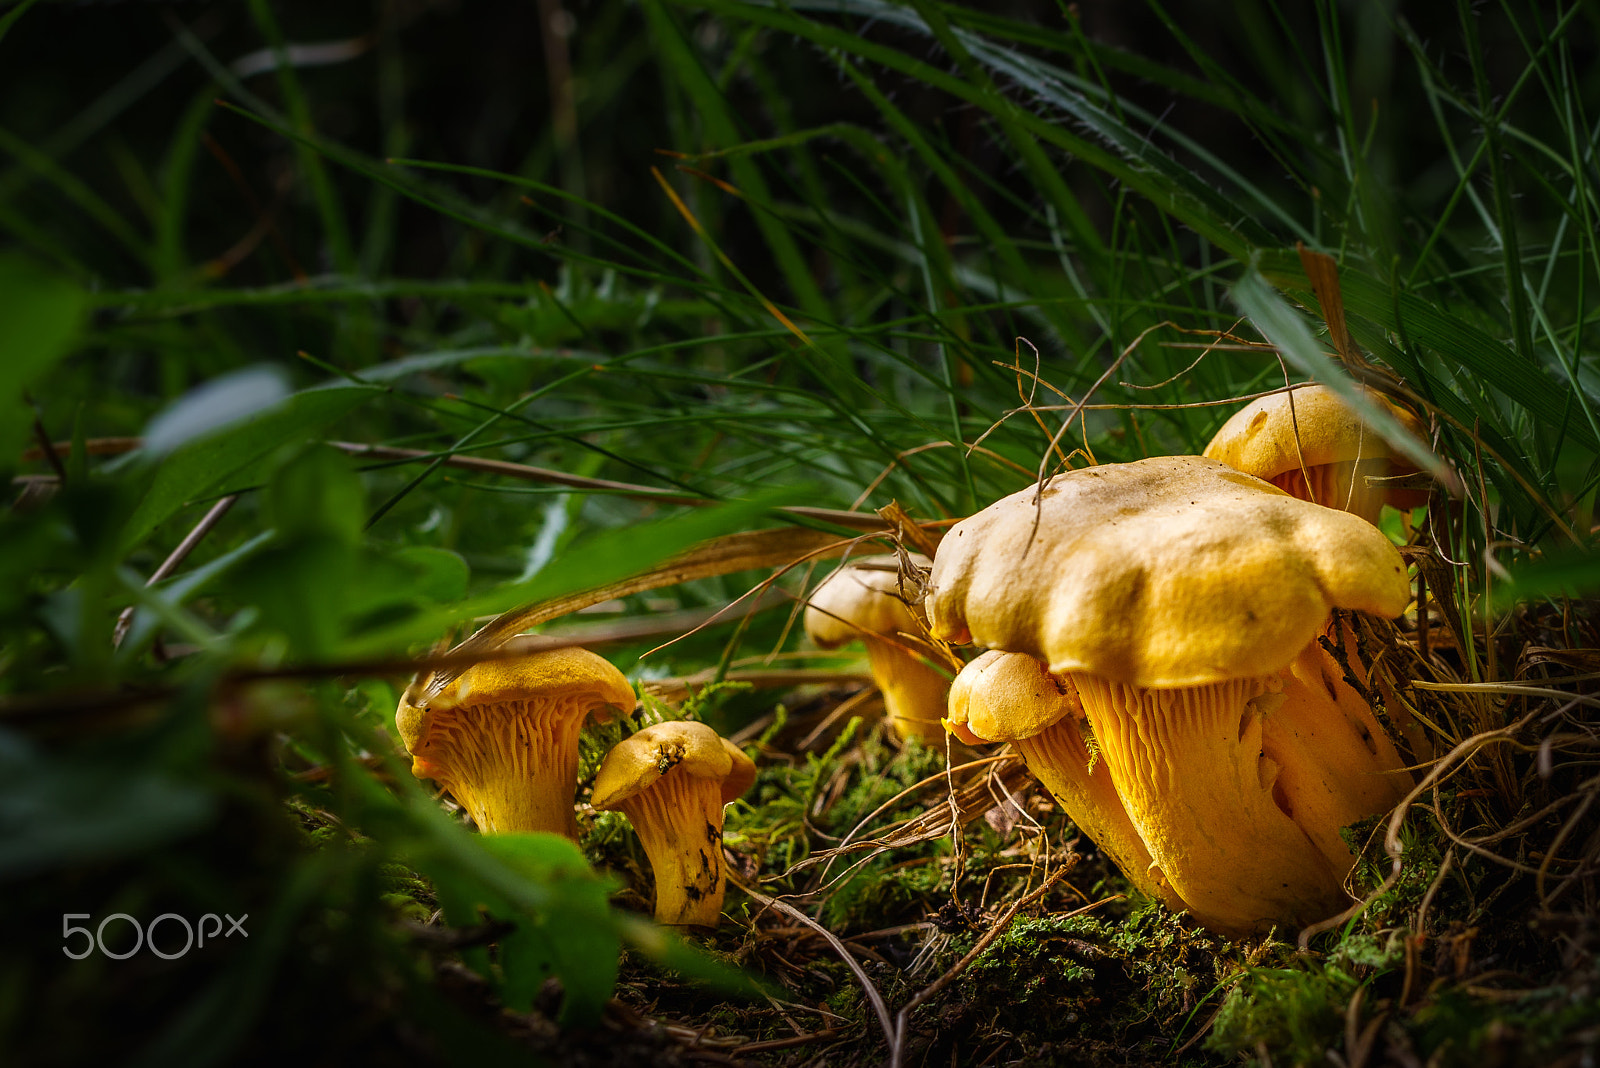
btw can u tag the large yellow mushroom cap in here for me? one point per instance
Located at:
(637, 762)
(1260, 439)
(863, 597)
(1171, 571)
(554, 673)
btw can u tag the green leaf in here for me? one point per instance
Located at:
(437, 575)
(302, 588)
(213, 406)
(229, 457)
(575, 940)
(585, 564)
(40, 315)
(56, 812)
(316, 492)
(1285, 328)
(1572, 573)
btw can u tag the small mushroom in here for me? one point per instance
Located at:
(1177, 595)
(863, 601)
(503, 736)
(672, 781)
(1011, 697)
(1310, 434)
(1309, 444)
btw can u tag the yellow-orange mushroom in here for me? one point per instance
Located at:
(1311, 445)
(502, 737)
(863, 601)
(672, 781)
(1177, 595)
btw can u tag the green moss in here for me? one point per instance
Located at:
(1295, 1012)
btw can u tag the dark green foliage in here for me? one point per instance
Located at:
(711, 259)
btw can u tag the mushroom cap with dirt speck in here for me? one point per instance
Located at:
(636, 763)
(1308, 443)
(1170, 571)
(672, 781)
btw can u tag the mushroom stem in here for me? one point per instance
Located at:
(512, 764)
(914, 693)
(679, 823)
(1189, 766)
(1058, 757)
(1337, 764)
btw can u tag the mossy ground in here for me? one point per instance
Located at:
(1459, 961)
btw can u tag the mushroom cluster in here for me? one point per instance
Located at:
(503, 736)
(1181, 601)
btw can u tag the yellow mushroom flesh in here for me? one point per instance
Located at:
(1189, 766)
(1338, 763)
(1011, 697)
(679, 824)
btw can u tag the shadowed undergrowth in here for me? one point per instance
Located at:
(327, 333)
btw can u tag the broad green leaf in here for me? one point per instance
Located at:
(196, 469)
(61, 811)
(575, 940)
(214, 406)
(39, 316)
(316, 492)
(437, 575)
(1573, 573)
(589, 562)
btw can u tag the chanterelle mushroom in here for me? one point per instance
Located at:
(1323, 440)
(1011, 697)
(1316, 436)
(503, 737)
(672, 780)
(1174, 593)
(863, 600)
